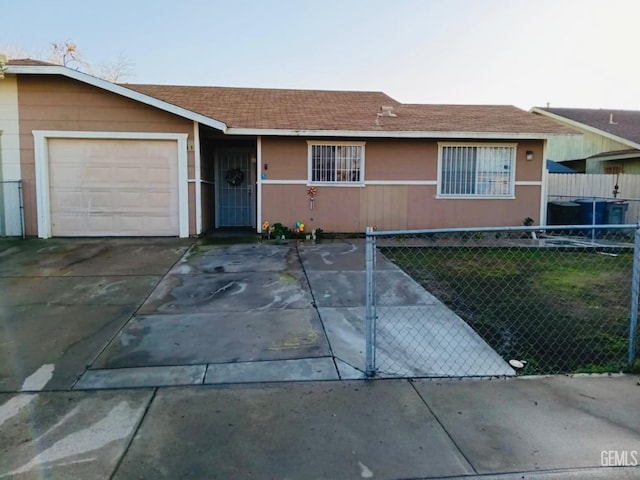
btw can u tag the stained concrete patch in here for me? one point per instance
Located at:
(294, 431)
(255, 249)
(222, 292)
(273, 371)
(141, 377)
(90, 257)
(96, 291)
(229, 264)
(339, 257)
(345, 330)
(69, 337)
(347, 289)
(67, 435)
(219, 337)
(527, 424)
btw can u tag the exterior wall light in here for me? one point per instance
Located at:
(529, 155)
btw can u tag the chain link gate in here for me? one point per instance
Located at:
(505, 301)
(11, 209)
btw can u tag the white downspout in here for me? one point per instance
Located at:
(259, 184)
(198, 176)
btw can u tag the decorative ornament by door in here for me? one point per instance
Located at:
(234, 177)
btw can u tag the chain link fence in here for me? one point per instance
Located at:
(11, 209)
(502, 301)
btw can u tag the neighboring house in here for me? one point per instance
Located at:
(610, 142)
(102, 159)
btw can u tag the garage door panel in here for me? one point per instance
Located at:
(73, 223)
(159, 175)
(96, 174)
(65, 200)
(159, 200)
(65, 175)
(113, 187)
(101, 223)
(130, 174)
(104, 200)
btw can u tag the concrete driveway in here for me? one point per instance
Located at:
(62, 301)
(119, 313)
(81, 320)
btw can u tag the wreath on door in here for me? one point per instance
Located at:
(234, 177)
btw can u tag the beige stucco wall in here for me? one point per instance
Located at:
(402, 206)
(49, 102)
(400, 160)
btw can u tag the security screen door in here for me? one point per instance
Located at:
(235, 202)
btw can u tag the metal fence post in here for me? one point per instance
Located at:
(21, 200)
(593, 218)
(370, 311)
(635, 290)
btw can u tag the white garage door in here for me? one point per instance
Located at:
(113, 187)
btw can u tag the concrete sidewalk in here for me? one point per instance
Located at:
(525, 428)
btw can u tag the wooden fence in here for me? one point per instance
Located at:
(570, 186)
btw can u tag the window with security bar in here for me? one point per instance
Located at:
(336, 163)
(475, 170)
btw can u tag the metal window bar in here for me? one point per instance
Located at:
(336, 163)
(464, 302)
(472, 170)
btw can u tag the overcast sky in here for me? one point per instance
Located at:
(573, 53)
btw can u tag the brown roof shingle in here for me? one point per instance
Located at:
(626, 123)
(278, 109)
(342, 110)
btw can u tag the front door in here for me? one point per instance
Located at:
(235, 199)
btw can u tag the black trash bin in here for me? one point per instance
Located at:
(563, 213)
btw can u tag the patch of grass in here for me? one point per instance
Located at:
(560, 310)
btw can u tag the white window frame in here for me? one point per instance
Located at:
(474, 196)
(311, 144)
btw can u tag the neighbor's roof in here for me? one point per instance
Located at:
(630, 152)
(29, 62)
(257, 108)
(621, 123)
(555, 167)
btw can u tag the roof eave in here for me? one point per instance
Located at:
(117, 89)
(615, 156)
(389, 134)
(584, 126)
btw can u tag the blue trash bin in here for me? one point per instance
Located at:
(616, 212)
(586, 211)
